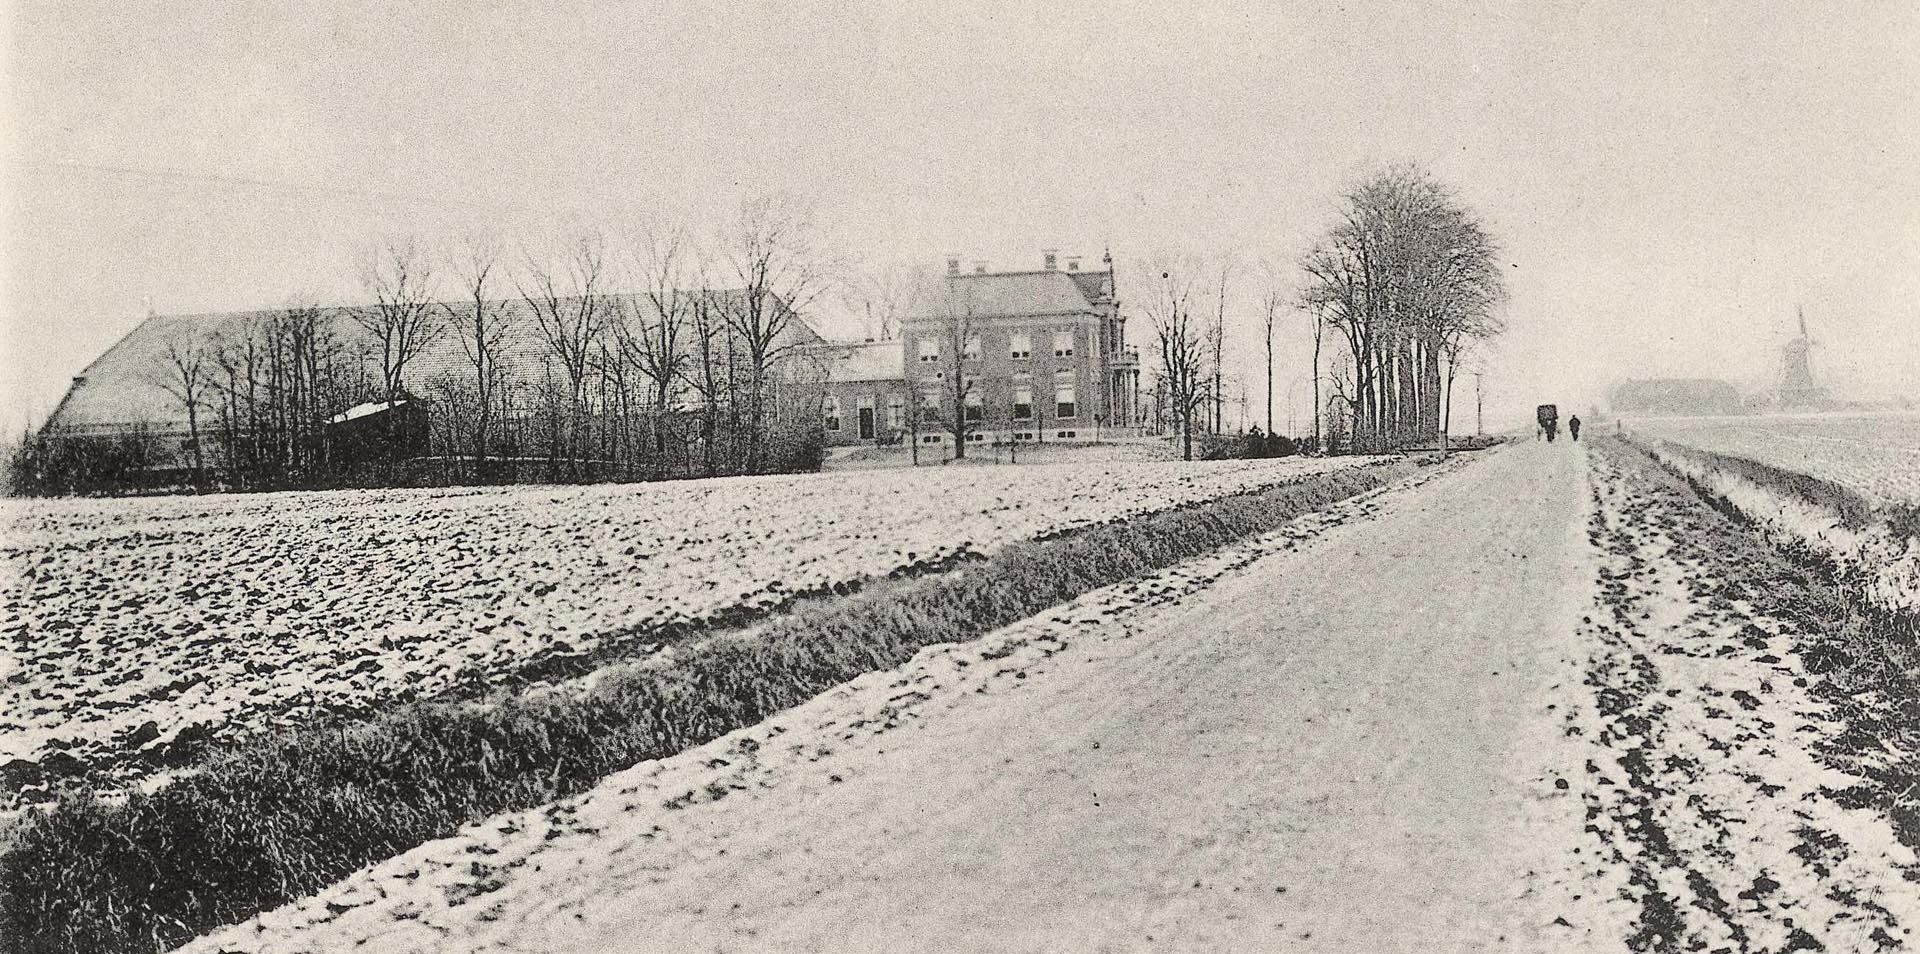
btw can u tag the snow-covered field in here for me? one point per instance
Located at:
(1728, 788)
(128, 623)
(1875, 455)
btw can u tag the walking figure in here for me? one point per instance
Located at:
(1573, 426)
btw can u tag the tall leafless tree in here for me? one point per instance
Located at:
(1404, 271)
(480, 321)
(887, 292)
(185, 372)
(654, 339)
(571, 310)
(404, 319)
(1183, 343)
(708, 371)
(960, 354)
(776, 260)
(1217, 347)
(1271, 304)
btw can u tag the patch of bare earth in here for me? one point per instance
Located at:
(1719, 779)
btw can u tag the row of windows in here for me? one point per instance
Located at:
(1019, 347)
(982, 438)
(1065, 406)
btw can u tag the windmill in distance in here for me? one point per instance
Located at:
(1797, 387)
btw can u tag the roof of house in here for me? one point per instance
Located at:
(863, 361)
(1001, 294)
(126, 385)
(359, 411)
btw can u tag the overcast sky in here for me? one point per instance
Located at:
(1668, 180)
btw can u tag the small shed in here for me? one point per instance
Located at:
(378, 432)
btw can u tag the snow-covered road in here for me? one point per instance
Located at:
(1372, 731)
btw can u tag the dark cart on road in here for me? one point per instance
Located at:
(1549, 417)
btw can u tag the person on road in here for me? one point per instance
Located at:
(1573, 427)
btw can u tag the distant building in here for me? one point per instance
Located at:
(1045, 355)
(866, 392)
(1046, 359)
(125, 392)
(1676, 397)
(1797, 386)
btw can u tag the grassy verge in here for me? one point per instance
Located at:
(1868, 657)
(283, 817)
(1853, 510)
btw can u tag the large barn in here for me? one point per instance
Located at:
(237, 362)
(1044, 354)
(1676, 397)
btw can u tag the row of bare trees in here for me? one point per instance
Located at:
(1407, 279)
(1189, 346)
(652, 356)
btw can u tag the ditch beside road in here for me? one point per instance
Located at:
(1429, 719)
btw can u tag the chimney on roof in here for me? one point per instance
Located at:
(1049, 258)
(979, 266)
(1073, 263)
(953, 264)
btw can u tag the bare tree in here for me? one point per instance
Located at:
(238, 355)
(307, 383)
(1271, 302)
(654, 340)
(887, 293)
(959, 345)
(1217, 346)
(1404, 271)
(776, 259)
(572, 311)
(481, 324)
(1319, 334)
(708, 371)
(403, 320)
(185, 372)
(1183, 346)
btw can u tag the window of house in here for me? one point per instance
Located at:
(1064, 434)
(1020, 347)
(896, 412)
(971, 350)
(1023, 404)
(976, 404)
(1063, 344)
(929, 407)
(1063, 397)
(929, 349)
(830, 410)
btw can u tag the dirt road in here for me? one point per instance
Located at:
(1369, 733)
(1334, 749)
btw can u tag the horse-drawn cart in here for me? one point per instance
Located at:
(1549, 417)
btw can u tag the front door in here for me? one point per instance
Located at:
(866, 423)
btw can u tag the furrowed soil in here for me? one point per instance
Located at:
(1514, 706)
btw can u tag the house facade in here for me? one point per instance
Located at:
(1029, 356)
